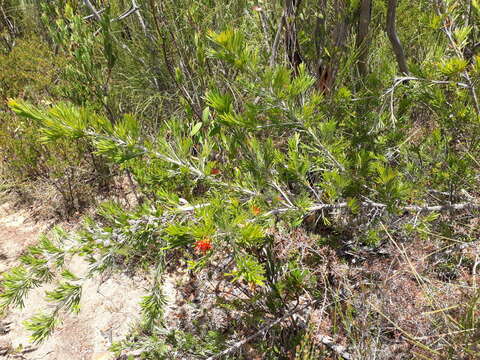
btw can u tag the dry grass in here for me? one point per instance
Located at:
(403, 307)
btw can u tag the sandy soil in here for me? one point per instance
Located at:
(109, 307)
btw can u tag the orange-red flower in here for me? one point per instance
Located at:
(203, 245)
(256, 210)
(214, 171)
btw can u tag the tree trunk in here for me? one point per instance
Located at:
(291, 41)
(362, 34)
(394, 40)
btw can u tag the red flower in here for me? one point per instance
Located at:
(203, 245)
(214, 171)
(256, 210)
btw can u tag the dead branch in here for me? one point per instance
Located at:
(364, 205)
(126, 14)
(326, 340)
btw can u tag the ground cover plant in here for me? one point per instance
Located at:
(307, 170)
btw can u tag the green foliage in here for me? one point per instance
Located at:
(16, 284)
(152, 305)
(231, 149)
(249, 270)
(30, 71)
(41, 326)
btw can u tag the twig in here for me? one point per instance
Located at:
(133, 187)
(474, 271)
(192, 207)
(325, 150)
(401, 79)
(276, 186)
(118, 18)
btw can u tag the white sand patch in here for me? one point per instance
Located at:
(109, 307)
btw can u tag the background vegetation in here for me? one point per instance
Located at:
(316, 160)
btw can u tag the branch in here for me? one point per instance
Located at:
(140, 19)
(118, 18)
(192, 207)
(325, 150)
(448, 207)
(371, 204)
(400, 80)
(276, 42)
(193, 170)
(94, 11)
(292, 46)
(127, 13)
(263, 21)
(392, 35)
(101, 11)
(365, 205)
